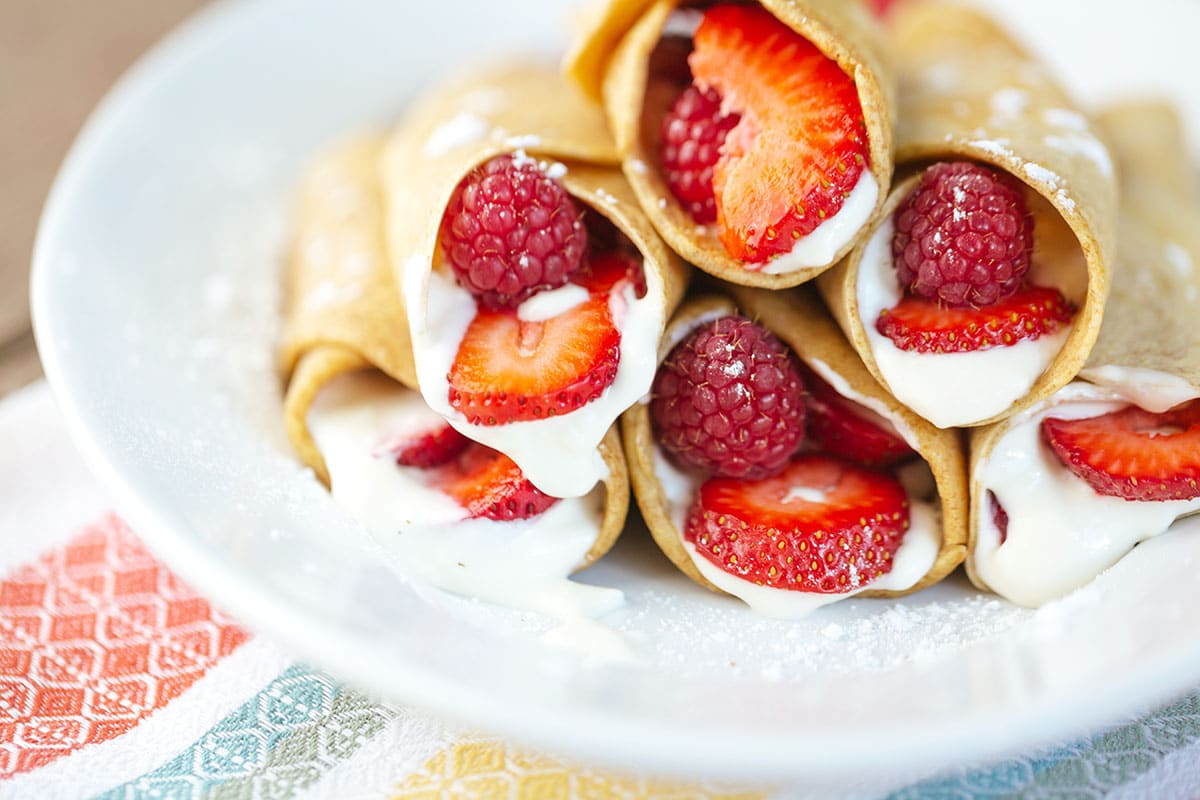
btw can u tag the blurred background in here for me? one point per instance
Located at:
(57, 59)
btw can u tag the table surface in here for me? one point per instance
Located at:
(58, 57)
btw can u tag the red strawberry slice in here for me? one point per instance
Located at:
(507, 370)
(837, 425)
(1132, 453)
(426, 449)
(801, 143)
(922, 325)
(605, 270)
(489, 484)
(822, 525)
(999, 516)
(881, 7)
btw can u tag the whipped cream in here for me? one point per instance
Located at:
(948, 389)
(822, 245)
(557, 454)
(1148, 388)
(550, 304)
(1061, 533)
(520, 564)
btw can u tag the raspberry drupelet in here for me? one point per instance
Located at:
(963, 236)
(511, 230)
(692, 134)
(728, 401)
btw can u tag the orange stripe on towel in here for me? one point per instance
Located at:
(94, 636)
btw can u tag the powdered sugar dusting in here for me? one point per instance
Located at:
(1179, 258)
(1041, 174)
(997, 147)
(941, 77)
(1009, 102)
(329, 294)
(1066, 118)
(456, 132)
(551, 169)
(1083, 145)
(528, 140)
(522, 159)
(697, 636)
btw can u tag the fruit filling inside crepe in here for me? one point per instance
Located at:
(788, 493)
(764, 137)
(537, 327)
(1075, 485)
(456, 513)
(967, 292)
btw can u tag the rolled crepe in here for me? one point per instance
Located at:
(612, 60)
(1060, 533)
(343, 314)
(458, 126)
(798, 319)
(969, 92)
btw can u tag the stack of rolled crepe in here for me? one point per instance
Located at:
(1038, 528)
(347, 351)
(968, 92)
(370, 287)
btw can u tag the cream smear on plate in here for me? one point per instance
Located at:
(557, 454)
(1061, 533)
(520, 564)
(948, 389)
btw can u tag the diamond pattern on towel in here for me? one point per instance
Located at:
(94, 636)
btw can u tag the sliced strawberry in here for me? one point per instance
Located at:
(426, 449)
(920, 324)
(822, 525)
(838, 426)
(881, 7)
(488, 484)
(507, 370)
(801, 143)
(605, 270)
(1132, 453)
(999, 516)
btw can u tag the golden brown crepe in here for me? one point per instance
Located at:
(343, 313)
(969, 92)
(612, 60)
(512, 108)
(797, 318)
(1148, 350)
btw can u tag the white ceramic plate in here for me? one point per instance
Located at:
(155, 298)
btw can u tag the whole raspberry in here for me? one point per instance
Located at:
(511, 230)
(963, 236)
(728, 400)
(692, 133)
